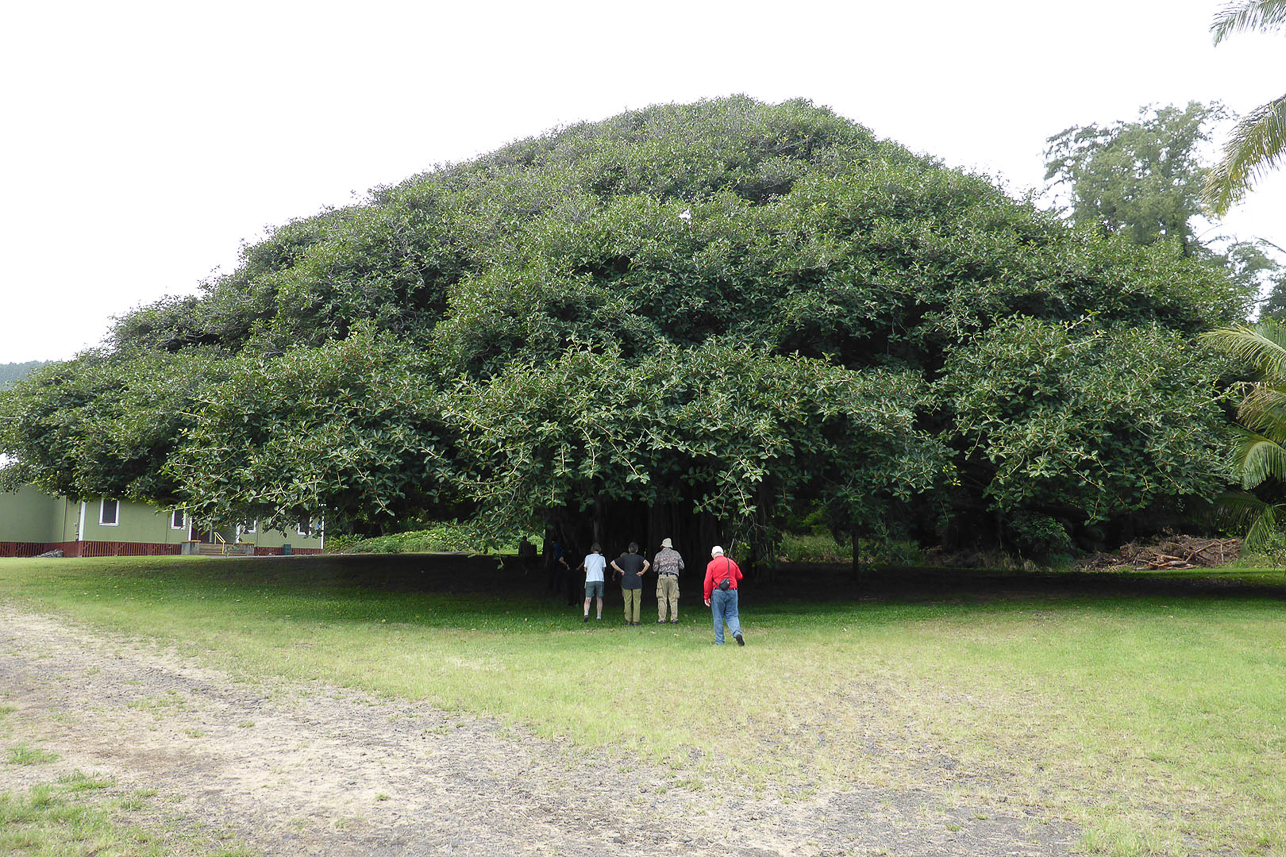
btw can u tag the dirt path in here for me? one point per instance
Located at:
(302, 770)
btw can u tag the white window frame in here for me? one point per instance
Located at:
(250, 527)
(304, 525)
(102, 513)
(183, 519)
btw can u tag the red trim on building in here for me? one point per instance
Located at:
(84, 549)
(16, 549)
(79, 549)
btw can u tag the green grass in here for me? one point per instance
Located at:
(1155, 719)
(81, 814)
(25, 754)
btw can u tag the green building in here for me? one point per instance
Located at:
(32, 523)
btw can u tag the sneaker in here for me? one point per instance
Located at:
(586, 619)
(674, 621)
(660, 621)
(737, 637)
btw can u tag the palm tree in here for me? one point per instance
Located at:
(1259, 453)
(1258, 141)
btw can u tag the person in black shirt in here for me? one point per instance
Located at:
(631, 567)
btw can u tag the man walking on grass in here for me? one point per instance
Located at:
(722, 576)
(668, 564)
(631, 567)
(594, 563)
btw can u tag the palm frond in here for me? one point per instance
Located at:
(1256, 458)
(1248, 15)
(1261, 531)
(1263, 346)
(1255, 146)
(1238, 510)
(1263, 410)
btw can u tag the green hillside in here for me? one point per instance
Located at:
(10, 372)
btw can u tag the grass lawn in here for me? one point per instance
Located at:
(1153, 715)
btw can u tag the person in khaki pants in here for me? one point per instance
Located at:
(668, 564)
(631, 567)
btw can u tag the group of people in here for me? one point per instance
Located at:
(722, 580)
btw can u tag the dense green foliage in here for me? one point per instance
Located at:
(692, 318)
(1069, 425)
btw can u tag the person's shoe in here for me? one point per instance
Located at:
(660, 621)
(737, 637)
(674, 621)
(586, 619)
(600, 618)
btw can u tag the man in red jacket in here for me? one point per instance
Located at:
(722, 576)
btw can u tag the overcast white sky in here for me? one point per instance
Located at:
(142, 142)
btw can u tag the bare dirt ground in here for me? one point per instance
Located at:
(314, 770)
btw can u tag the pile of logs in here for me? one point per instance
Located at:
(1182, 552)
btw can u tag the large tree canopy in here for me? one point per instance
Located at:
(724, 312)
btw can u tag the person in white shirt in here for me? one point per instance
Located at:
(594, 563)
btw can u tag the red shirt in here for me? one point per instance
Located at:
(719, 568)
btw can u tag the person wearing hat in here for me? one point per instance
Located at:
(668, 564)
(722, 576)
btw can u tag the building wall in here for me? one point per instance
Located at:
(271, 541)
(135, 522)
(32, 523)
(66, 519)
(27, 515)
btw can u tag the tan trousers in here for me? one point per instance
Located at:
(667, 591)
(633, 603)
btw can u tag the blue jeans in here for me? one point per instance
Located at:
(723, 604)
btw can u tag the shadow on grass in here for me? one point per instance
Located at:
(488, 577)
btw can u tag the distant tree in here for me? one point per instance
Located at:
(1141, 180)
(1255, 264)
(1259, 139)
